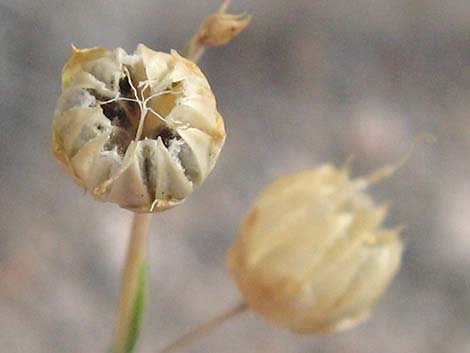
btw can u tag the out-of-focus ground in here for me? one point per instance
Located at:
(307, 82)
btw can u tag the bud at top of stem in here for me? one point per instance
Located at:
(216, 30)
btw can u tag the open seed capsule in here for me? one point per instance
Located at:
(140, 130)
(312, 255)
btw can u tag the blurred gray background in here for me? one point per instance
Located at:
(306, 83)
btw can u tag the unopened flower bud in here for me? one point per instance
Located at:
(140, 130)
(312, 255)
(217, 29)
(220, 28)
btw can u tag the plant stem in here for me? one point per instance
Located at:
(193, 52)
(131, 296)
(205, 328)
(130, 286)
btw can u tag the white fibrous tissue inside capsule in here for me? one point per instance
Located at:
(141, 130)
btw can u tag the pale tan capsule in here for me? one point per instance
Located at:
(140, 130)
(312, 255)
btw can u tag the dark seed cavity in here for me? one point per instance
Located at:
(146, 170)
(167, 135)
(121, 113)
(119, 140)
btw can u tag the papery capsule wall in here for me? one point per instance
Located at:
(312, 255)
(140, 130)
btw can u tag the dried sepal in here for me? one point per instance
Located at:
(140, 130)
(312, 255)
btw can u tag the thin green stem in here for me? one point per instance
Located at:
(132, 287)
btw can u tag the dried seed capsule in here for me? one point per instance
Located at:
(312, 255)
(140, 130)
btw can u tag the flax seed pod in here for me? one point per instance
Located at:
(140, 130)
(312, 255)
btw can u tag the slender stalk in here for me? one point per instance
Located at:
(217, 35)
(193, 51)
(136, 255)
(205, 328)
(217, 29)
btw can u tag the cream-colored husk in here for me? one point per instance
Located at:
(140, 130)
(311, 254)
